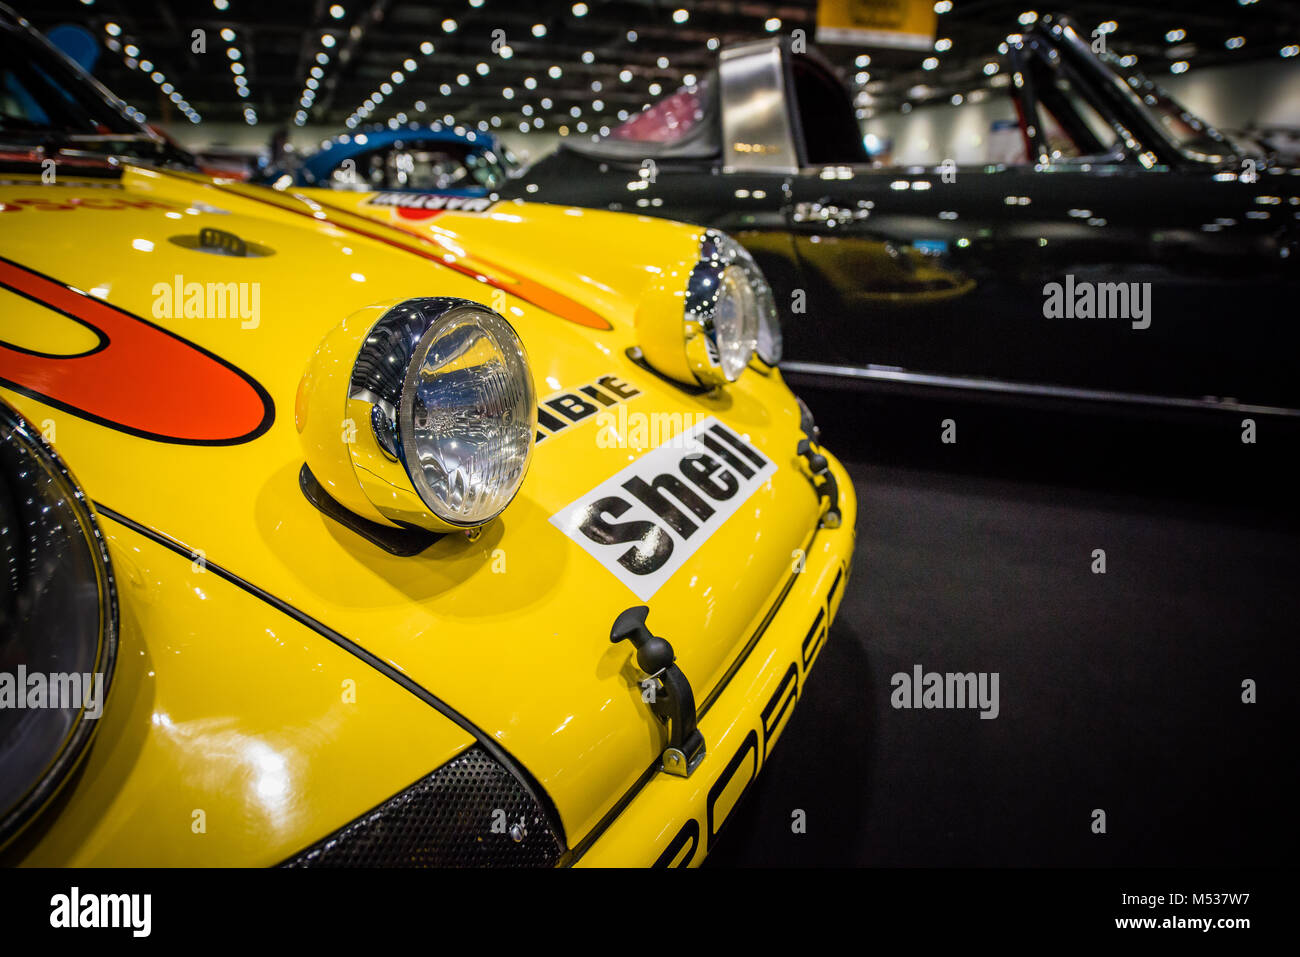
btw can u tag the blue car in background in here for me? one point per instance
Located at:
(416, 157)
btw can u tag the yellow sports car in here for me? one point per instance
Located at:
(346, 529)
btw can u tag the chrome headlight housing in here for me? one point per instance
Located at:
(728, 315)
(437, 408)
(58, 623)
(721, 248)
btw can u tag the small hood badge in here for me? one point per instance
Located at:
(218, 242)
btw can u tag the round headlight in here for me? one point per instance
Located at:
(707, 333)
(735, 322)
(439, 418)
(771, 344)
(768, 341)
(58, 623)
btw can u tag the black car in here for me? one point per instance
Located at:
(1133, 255)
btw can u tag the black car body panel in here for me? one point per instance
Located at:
(981, 277)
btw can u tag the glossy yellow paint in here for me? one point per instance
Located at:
(745, 722)
(232, 735)
(511, 628)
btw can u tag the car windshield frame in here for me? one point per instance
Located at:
(81, 116)
(1151, 104)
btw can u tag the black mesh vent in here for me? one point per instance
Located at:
(448, 819)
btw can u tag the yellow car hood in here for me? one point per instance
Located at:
(511, 629)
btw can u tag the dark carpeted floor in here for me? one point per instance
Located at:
(1119, 691)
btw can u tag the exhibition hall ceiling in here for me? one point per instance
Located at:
(582, 67)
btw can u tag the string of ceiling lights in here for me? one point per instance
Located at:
(239, 72)
(532, 120)
(136, 60)
(519, 101)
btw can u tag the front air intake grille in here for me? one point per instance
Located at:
(471, 812)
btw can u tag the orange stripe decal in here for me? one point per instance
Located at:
(496, 276)
(144, 380)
